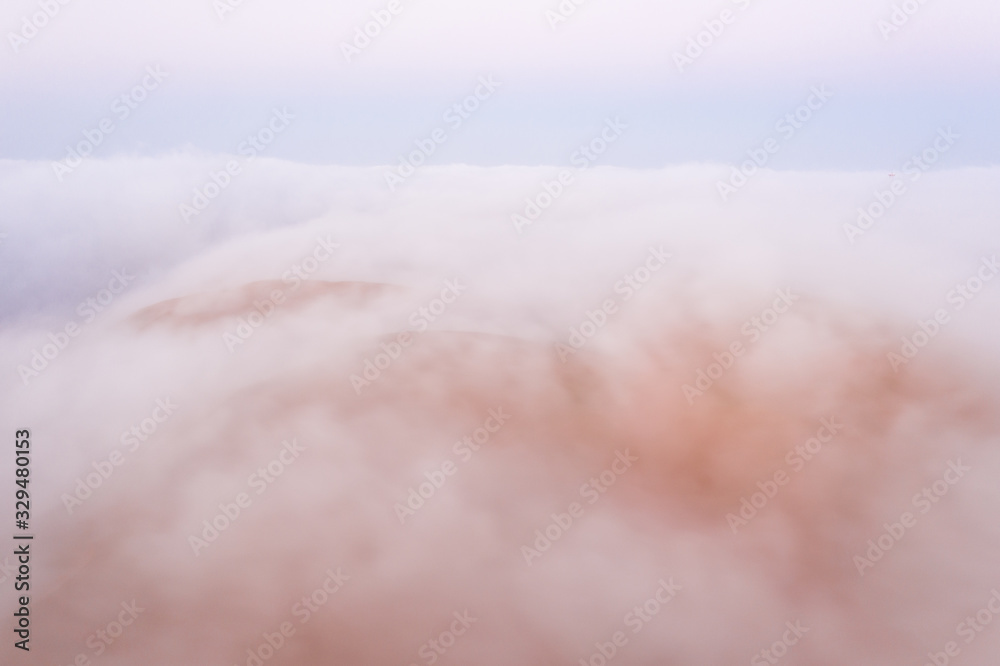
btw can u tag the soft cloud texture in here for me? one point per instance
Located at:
(495, 347)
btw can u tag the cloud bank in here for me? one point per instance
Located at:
(316, 424)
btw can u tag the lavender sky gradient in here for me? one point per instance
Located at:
(608, 58)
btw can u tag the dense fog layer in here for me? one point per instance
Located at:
(494, 419)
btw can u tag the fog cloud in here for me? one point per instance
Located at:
(317, 424)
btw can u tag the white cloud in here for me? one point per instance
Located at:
(495, 346)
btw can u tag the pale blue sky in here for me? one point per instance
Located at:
(942, 67)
